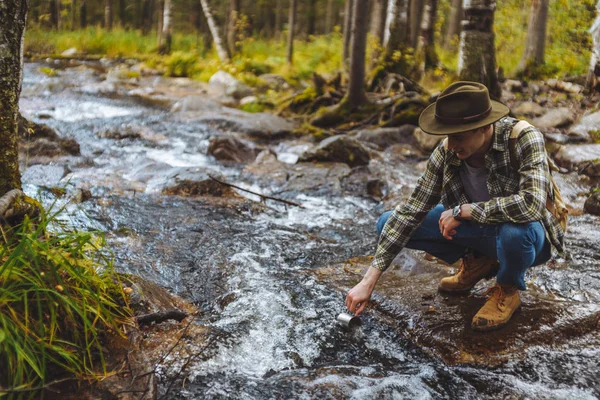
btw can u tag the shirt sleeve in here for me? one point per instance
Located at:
(529, 202)
(406, 218)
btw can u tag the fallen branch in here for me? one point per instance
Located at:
(161, 316)
(262, 196)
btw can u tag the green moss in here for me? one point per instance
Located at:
(48, 71)
(595, 135)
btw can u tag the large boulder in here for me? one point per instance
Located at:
(339, 148)
(385, 137)
(274, 81)
(555, 118)
(41, 140)
(574, 156)
(230, 85)
(529, 108)
(592, 204)
(581, 131)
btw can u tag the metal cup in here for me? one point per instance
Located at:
(348, 320)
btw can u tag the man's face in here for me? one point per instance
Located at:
(466, 144)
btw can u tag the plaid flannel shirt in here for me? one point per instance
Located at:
(516, 196)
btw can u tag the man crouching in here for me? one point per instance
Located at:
(472, 204)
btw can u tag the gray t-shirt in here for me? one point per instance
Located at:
(474, 181)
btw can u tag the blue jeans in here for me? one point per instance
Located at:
(516, 246)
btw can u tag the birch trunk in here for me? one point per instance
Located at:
(11, 76)
(166, 36)
(356, 87)
(396, 26)
(477, 54)
(535, 46)
(378, 14)
(291, 28)
(456, 16)
(426, 54)
(214, 30)
(416, 17)
(594, 71)
(108, 15)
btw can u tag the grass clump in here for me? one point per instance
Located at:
(59, 299)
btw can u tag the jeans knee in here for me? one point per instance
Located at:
(514, 236)
(382, 220)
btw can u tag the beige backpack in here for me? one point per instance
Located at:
(554, 203)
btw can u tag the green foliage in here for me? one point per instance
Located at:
(180, 64)
(58, 298)
(254, 107)
(595, 135)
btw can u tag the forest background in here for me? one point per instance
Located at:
(256, 35)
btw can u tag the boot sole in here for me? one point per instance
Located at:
(488, 328)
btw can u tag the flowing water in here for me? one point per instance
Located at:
(249, 269)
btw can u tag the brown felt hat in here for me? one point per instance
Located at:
(461, 107)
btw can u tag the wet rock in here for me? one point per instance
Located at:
(317, 179)
(558, 138)
(592, 168)
(45, 175)
(230, 85)
(339, 148)
(230, 148)
(529, 108)
(589, 123)
(592, 204)
(408, 301)
(69, 52)
(573, 156)
(151, 97)
(263, 126)
(513, 85)
(125, 131)
(555, 118)
(40, 140)
(191, 182)
(564, 86)
(249, 99)
(385, 137)
(120, 73)
(274, 81)
(425, 141)
(360, 182)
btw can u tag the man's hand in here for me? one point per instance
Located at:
(359, 295)
(448, 224)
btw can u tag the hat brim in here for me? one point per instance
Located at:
(429, 124)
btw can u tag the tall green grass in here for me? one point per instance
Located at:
(59, 298)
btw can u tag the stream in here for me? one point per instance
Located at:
(251, 268)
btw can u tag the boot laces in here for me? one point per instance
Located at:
(496, 291)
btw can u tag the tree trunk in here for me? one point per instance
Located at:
(311, 14)
(349, 9)
(108, 15)
(159, 25)
(356, 87)
(123, 13)
(54, 10)
(278, 14)
(233, 15)
(291, 28)
(74, 14)
(426, 54)
(11, 76)
(216, 35)
(378, 14)
(395, 35)
(83, 14)
(329, 17)
(416, 16)
(594, 71)
(477, 55)
(164, 46)
(453, 29)
(146, 16)
(533, 56)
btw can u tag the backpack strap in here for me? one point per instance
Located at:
(445, 143)
(512, 143)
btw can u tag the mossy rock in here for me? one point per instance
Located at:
(339, 148)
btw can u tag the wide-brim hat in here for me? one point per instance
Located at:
(461, 107)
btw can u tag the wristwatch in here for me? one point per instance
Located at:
(456, 213)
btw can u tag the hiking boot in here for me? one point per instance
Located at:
(504, 300)
(471, 271)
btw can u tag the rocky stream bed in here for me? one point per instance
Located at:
(136, 158)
